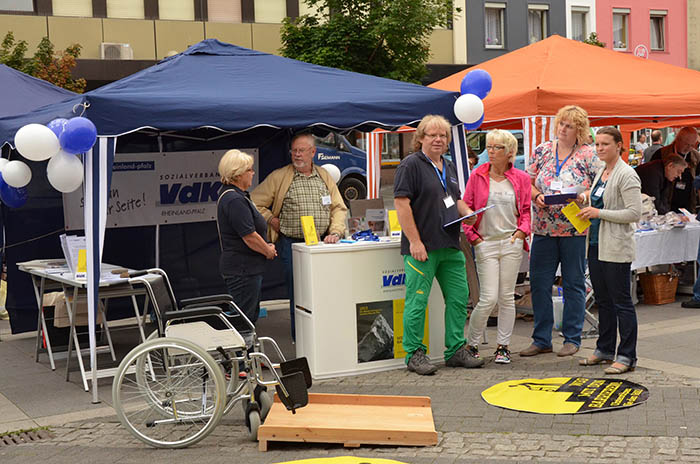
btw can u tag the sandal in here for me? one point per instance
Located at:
(593, 361)
(618, 368)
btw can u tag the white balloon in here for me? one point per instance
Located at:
(3, 162)
(469, 108)
(36, 142)
(333, 170)
(16, 174)
(65, 172)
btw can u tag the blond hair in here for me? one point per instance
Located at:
(576, 115)
(233, 164)
(507, 139)
(430, 121)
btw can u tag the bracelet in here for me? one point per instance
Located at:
(538, 195)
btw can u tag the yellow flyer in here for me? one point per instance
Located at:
(81, 269)
(307, 224)
(394, 226)
(570, 211)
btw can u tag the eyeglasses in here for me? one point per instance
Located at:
(294, 151)
(495, 147)
(436, 136)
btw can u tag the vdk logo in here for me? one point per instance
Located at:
(197, 192)
(394, 280)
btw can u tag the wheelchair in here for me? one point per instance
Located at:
(172, 390)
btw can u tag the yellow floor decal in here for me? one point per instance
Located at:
(344, 460)
(565, 395)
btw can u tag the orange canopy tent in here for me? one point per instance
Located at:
(614, 87)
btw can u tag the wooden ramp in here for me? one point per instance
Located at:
(352, 420)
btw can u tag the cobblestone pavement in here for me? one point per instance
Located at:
(664, 429)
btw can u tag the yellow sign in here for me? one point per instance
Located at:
(81, 269)
(394, 226)
(344, 460)
(309, 228)
(565, 395)
(570, 211)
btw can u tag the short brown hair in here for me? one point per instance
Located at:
(576, 115)
(430, 121)
(613, 132)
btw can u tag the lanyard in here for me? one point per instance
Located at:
(441, 176)
(558, 164)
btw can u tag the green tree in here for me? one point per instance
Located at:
(387, 38)
(45, 64)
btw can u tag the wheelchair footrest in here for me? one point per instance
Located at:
(297, 365)
(295, 385)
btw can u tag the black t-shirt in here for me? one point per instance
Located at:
(417, 179)
(237, 217)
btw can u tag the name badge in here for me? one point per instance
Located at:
(449, 202)
(599, 191)
(326, 200)
(556, 185)
(680, 185)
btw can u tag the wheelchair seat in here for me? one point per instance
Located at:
(202, 334)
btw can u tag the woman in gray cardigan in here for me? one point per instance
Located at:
(614, 204)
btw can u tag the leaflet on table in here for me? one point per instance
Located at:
(474, 213)
(71, 246)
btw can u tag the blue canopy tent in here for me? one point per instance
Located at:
(21, 93)
(213, 85)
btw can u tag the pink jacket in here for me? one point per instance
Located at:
(477, 194)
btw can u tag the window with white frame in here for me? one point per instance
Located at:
(17, 5)
(579, 23)
(494, 24)
(657, 32)
(620, 28)
(536, 22)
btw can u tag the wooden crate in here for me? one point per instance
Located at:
(352, 420)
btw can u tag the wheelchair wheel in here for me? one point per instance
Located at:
(265, 404)
(169, 393)
(254, 422)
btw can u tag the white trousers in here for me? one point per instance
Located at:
(497, 263)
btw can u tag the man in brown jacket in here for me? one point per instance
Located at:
(299, 189)
(685, 145)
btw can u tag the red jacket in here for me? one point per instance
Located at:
(476, 196)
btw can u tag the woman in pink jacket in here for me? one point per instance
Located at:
(499, 237)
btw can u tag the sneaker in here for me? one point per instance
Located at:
(464, 357)
(420, 363)
(691, 303)
(473, 350)
(502, 355)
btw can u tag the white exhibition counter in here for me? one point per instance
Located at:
(349, 308)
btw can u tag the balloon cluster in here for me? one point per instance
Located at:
(469, 108)
(59, 142)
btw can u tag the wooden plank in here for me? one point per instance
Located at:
(353, 420)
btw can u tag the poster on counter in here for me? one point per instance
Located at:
(380, 330)
(158, 188)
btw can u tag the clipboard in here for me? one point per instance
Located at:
(478, 211)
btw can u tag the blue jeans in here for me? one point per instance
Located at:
(284, 248)
(696, 287)
(245, 291)
(611, 285)
(545, 256)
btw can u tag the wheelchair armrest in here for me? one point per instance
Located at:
(205, 300)
(138, 273)
(191, 312)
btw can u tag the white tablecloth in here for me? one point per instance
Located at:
(666, 247)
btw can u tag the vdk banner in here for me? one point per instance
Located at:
(158, 188)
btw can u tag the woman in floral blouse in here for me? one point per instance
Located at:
(559, 166)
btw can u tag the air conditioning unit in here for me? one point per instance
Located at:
(116, 51)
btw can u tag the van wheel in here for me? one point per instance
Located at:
(352, 188)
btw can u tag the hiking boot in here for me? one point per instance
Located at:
(693, 303)
(464, 357)
(473, 350)
(568, 349)
(420, 363)
(533, 350)
(502, 355)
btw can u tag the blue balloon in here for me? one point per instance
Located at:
(12, 196)
(475, 125)
(78, 136)
(477, 82)
(57, 125)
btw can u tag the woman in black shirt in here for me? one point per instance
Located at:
(242, 232)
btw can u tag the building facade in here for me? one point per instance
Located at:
(498, 27)
(580, 19)
(120, 37)
(653, 29)
(693, 34)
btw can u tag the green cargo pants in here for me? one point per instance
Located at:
(447, 266)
